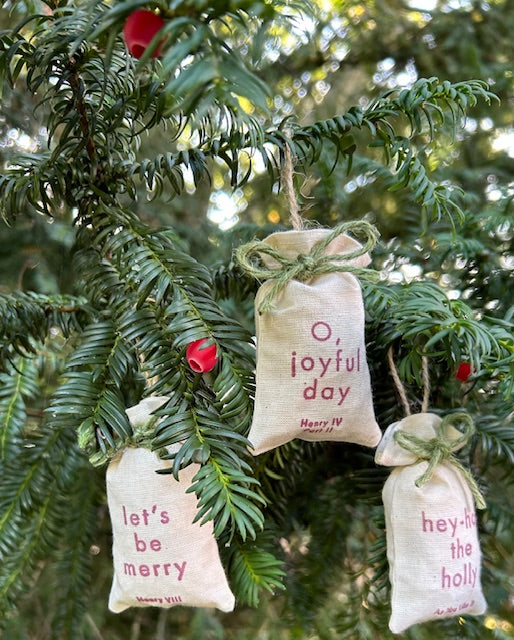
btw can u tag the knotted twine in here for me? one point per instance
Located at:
(438, 449)
(304, 267)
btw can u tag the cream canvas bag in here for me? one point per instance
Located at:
(312, 377)
(432, 542)
(160, 557)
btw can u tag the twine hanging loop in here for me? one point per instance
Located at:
(288, 186)
(401, 389)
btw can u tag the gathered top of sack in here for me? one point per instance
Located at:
(424, 426)
(140, 416)
(427, 437)
(291, 244)
(304, 255)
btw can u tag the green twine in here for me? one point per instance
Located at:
(306, 266)
(439, 449)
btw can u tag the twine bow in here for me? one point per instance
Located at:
(439, 449)
(306, 265)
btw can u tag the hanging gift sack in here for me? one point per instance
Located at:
(431, 530)
(160, 557)
(312, 378)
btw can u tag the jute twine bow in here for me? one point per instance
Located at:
(438, 449)
(306, 266)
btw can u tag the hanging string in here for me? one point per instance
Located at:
(306, 266)
(426, 384)
(401, 389)
(440, 449)
(398, 383)
(288, 186)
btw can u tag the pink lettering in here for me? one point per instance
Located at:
(466, 576)
(155, 545)
(307, 363)
(157, 569)
(321, 331)
(305, 423)
(427, 523)
(309, 393)
(293, 364)
(149, 600)
(450, 610)
(140, 544)
(470, 519)
(159, 600)
(351, 367)
(441, 525)
(459, 550)
(343, 394)
(180, 568)
(135, 519)
(327, 393)
(324, 365)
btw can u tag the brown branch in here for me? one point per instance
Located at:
(77, 85)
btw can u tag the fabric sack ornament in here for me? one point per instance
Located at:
(312, 377)
(160, 557)
(432, 542)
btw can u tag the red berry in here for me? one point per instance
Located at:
(140, 29)
(201, 360)
(463, 372)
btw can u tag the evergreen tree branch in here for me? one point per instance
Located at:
(252, 568)
(427, 101)
(32, 504)
(425, 321)
(160, 297)
(91, 395)
(73, 557)
(144, 299)
(496, 437)
(18, 384)
(26, 319)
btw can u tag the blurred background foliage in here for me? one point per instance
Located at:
(325, 514)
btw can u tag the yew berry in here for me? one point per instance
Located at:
(139, 31)
(201, 359)
(463, 372)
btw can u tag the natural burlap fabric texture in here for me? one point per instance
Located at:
(312, 377)
(432, 542)
(160, 557)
